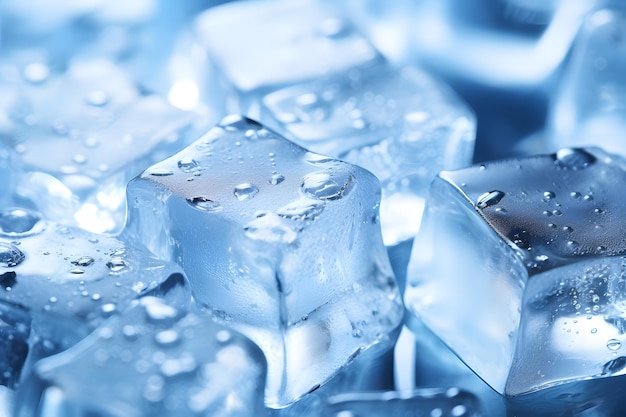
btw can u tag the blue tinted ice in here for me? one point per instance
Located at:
(280, 243)
(520, 269)
(402, 125)
(58, 283)
(154, 360)
(78, 137)
(431, 402)
(590, 109)
(308, 40)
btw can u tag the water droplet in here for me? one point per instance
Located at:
(488, 199)
(77, 271)
(276, 179)
(161, 173)
(97, 98)
(568, 229)
(613, 344)
(223, 336)
(245, 191)
(594, 331)
(83, 261)
(235, 122)
(10, 255)
(167, 338)
(36, 73)
(117, 265)
(614, 366)
(326, 185)
(575, 194)
(19, 222)
(574, 158)
(548, 195)
(204, 204)
(270, 228)
(598, 211)
(157, 311)
(187, 164)
(302, 209)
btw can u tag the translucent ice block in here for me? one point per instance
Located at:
(280, 243)
(519, 268)
(154, 360)
(79, 137)
(401, 125)
(58, 283)
(256, 44)
(450, 402)
(590, 108)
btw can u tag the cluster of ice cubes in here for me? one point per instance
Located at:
(307, 208)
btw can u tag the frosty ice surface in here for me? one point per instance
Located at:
(520, 268)
(58, 283)
(153, 360)
(77, 138)
(280, 243)
(400, 124)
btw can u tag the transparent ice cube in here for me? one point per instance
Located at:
(400, 124)
(308, 39)
(155, 359)
(58, 283)
(78, 137)
(519, 268)
(280, 243)
(590, 108)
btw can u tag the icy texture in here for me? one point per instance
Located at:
(422, 402)
(79, 137)
(307, 41)
(280, 243)
(58, 283)
(154, 360)
(536, 281)
(402, 125)
(590, 109)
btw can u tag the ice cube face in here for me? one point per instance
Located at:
(58, 283)
(589, 109)
(78, 138)
(537, 281)
(282, 244)
(307, 39)
(402, 125)
(421, 402)
(155, 359)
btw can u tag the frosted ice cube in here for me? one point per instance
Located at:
(450, 402)
(58, 283)
(254, 44)
(402, 125)
(280, 243)
(79, 137)
(519, 268)
(153, 360)
(590, 108)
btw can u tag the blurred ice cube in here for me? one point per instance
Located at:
(590, 108)
(153, 360)
(519, 268)
(402, 125)
(78, 137)
(280, 243)
(252, 45)
(58, 283)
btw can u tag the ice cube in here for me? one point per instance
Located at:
(252, 45)
(79, 137)
(153, 360)
(450, 402)
(519, 268)
(58, 283)
(590, 108)
(400, 124)
(280, 243)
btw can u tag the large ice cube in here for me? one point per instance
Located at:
(58, 283)
(80, 136)
(280, 243)
(154, 360)
(402, 125)
(590, 108)
(519, 268)
(254, 44)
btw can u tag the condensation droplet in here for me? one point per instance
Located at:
(187, 164)
(276, 179)
(325, 185)
(245, 191)
(574, 158)
(613, 344)
(204, 204)
(161, 173)
(117, 265)
(488, 199)
(19, 222)
(97, 98)
(10, 255)
(83, 261)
